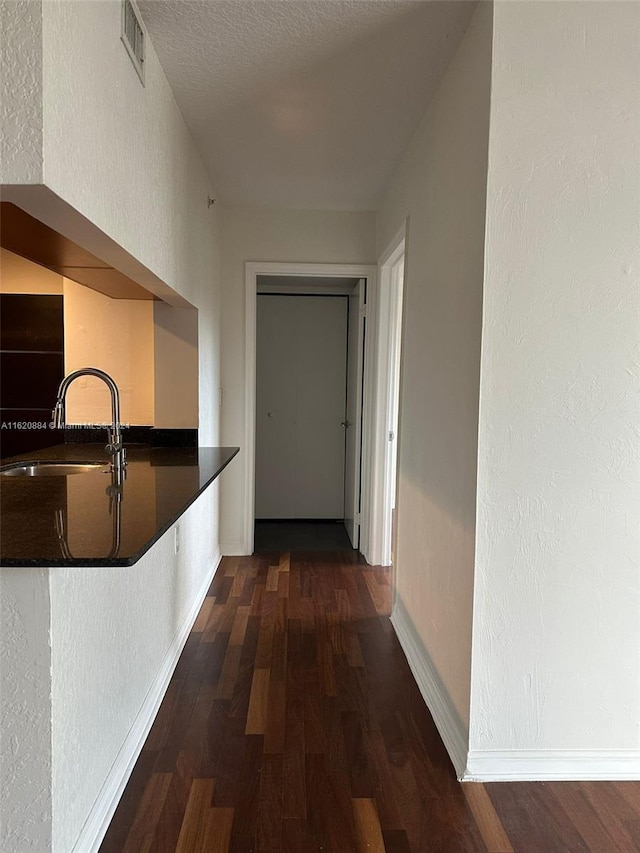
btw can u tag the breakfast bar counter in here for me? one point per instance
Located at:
(82, 519)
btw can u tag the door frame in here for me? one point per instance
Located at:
(252, 270)
(353, 512)
(381, 518)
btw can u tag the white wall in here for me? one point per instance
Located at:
(120, 155)
(440, 186)
(21, 92)
(25, 711)
(136, 173)
(557, 627)
(261, 234)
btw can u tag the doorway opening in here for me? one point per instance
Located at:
(308, 414)
(307, 378)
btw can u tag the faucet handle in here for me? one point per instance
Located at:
(113, 447)
(57, 415)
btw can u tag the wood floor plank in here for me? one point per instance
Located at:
(228, 759)
(229, 673)
(218, 831)
(231, 566)
(162, 724)
(326, 667)
(285, 561)
(296, 837)
(220, 619)
(240, 700)
(619, 816)
(167, 831)
(534, 819)
(274, 732)
(380, 595)
(317, 791)
(388, 811)
(283, 584)
(582, 815)
(315, 738)
(279, 653)
(489, 824)
(245, 820)
(269, 833)
(237, 587)
(203, 616)
(194, 824)
(368, 831)
(396, 841)
(264, 649)
(338, 810)
(272, 579)
(258, 702)
(360, 767)
(239, 627)
(354, 652)
(294, 799)
(141, 835)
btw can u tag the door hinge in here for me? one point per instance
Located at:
(392, 435)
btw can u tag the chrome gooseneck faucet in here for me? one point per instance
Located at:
(114, 447)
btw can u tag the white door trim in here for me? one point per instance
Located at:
(252, 270)
(352, 510)
(380, 539)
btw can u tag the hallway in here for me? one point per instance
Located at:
(292, 723)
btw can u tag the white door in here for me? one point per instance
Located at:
(353, 422)
(301, 359)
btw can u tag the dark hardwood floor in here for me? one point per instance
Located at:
(293, 724)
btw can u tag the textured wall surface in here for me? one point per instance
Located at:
(120, 154)
(110, 630)
(441, 186)
(556, 638)
(25, 712)
(21, 92)
(256, 234)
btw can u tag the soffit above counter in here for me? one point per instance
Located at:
(24, 235)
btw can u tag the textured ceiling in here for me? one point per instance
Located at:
(304, 103)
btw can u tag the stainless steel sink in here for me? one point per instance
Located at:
(49, 469)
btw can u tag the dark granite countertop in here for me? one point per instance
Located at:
(72, 520)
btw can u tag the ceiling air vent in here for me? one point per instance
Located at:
(133, 36)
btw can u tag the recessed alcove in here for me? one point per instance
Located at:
(107, 320)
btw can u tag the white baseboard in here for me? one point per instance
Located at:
(452, 730)
(542, 765)
(233, 549)
(99, 818)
